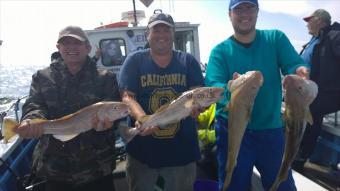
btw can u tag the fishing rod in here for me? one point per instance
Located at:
(16, 106)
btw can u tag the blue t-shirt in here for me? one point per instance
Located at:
(308, 51)
(273, 55)
(155, 86)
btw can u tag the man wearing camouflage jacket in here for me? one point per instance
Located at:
(85, 162)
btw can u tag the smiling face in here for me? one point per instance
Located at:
(73, 51)
(243, 18)
(160, 38)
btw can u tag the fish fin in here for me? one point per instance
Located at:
(143, 118)
(64, 138)
(66, 117)
(309, 118)
(127, 133)
(189, 103)
(100, 126)
(7, 129)
(162, 108)
(37, 120)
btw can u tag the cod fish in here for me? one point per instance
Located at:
(68, 127)
(179, 108)
(243, 91)
(298, 95)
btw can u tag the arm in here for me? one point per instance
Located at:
(335, 44)
(136, 110)
(289, 60)
(218, 73)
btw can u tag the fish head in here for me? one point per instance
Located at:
(298, 91)
(116, 110)
(250, 82)
(205, 96)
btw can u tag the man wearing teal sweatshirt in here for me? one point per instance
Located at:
(270, 52)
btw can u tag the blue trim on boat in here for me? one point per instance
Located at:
(19, 162)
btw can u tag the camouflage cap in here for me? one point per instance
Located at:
(320, 13)
(73, 31)
(161, 18)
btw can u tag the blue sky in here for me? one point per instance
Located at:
(29, 29)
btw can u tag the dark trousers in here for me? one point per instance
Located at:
(325, 103)
(102, 184)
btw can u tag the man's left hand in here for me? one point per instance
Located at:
(303, 72)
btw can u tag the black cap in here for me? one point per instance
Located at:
(161, 18)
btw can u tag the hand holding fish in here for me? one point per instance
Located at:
(236, 75)
(303, 72)
(145, 131)
(28, 130)
(173, 112)
(101, 125)
(299, 94)
(97, 116)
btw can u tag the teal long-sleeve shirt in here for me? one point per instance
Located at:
(273, 55)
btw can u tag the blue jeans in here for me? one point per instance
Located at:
(262, 149)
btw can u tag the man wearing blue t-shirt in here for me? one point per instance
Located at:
(270, 52)
(154, 77)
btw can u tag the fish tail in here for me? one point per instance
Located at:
(226, 182)
(229, 173)
(7, 128)
(275, 185)
(127, 133)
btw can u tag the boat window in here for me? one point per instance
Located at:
(113, 51)
(184, 41)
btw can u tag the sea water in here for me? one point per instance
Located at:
(14, 84)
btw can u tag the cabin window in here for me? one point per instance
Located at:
(113, 51)
(184, 41)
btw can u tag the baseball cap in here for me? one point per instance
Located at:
(160, 18)
(235, 3)
(321, 13)
(73, 31)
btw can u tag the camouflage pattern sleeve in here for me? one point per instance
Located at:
(34, 107)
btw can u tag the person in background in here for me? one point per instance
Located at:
(322, 52)
(66, 86)
(160, 157)
(55, 56)
(111, 53)
(270, 52)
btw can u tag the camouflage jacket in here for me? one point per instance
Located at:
(55, 93)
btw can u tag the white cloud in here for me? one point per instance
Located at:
(290, 7)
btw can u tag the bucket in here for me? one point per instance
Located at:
(205, 185)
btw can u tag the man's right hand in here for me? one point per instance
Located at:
(29, 130)
(146, 131)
